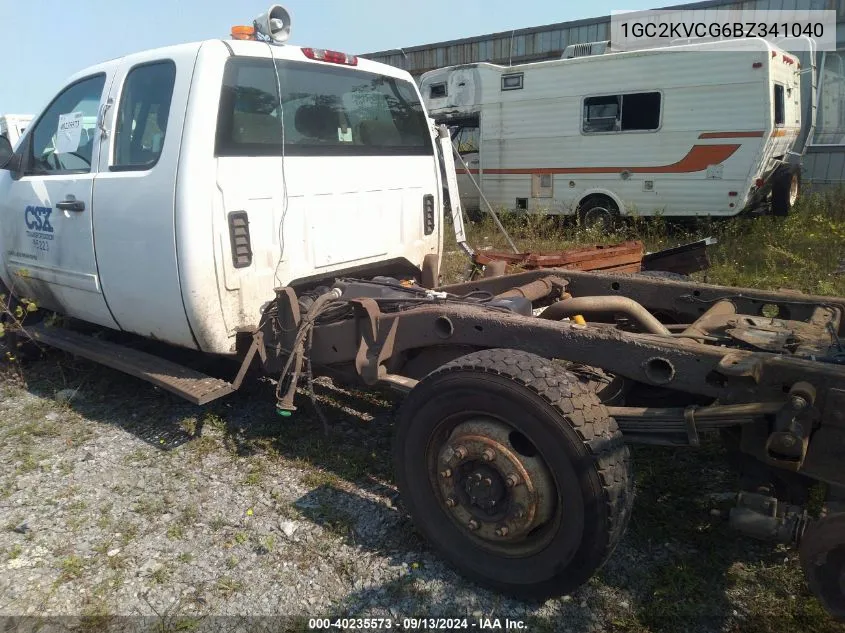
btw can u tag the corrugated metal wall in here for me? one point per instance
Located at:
(824, 167)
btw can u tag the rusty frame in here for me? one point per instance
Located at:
(374, 346)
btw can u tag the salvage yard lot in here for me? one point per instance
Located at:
(118, 499)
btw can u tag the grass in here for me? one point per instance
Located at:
(71, 568)
(800, 252)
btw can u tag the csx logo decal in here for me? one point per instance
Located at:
(38, 219)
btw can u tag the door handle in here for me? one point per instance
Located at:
(71, 204)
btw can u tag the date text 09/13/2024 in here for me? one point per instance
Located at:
(416, 624)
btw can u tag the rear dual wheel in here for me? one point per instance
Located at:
(514, 471)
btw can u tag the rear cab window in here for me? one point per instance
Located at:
(323, 111)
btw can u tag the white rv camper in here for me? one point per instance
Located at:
(694, 129)
(12, 126)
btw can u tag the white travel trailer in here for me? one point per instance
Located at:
(12, 126)
(686, 130)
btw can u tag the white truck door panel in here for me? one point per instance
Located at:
(134, 194)
(48, 242)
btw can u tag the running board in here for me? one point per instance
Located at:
(187, 383)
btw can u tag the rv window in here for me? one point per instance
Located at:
(622, 113)
(601, 114)
(641, 111)
(512, 82)
(437, 91)
(780, 109)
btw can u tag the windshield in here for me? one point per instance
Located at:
(326, 110)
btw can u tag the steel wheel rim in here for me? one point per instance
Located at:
(529, 507)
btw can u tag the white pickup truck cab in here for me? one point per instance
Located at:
(167, 193)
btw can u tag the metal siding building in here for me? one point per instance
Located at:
(824, 163)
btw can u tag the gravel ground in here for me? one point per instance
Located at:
(119, 500)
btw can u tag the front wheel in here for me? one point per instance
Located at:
(514, 471)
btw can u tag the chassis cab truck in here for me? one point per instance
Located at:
(247, 199)
(167, 193)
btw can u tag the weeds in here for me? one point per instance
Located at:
(800, 252)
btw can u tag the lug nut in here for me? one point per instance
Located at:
(488, 455)
(446, 473)
(451, 503)
(488, 481)
(502, 531)
(798, 403)
(513, 480)
(472, 525)
(460, 452)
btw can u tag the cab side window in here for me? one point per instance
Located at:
(142, 116)
(63, 139)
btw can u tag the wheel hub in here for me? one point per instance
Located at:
(485, 488)
(489, 487)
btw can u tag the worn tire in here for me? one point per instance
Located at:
(609, 389)
(573, 434)
(785, 191)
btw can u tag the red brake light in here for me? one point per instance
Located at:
(757, 65)
(759, 182)
(333, 57)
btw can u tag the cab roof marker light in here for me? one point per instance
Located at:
(333, 57)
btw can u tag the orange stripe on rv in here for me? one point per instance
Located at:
(784, 132)
(697, 159)
(758, 134)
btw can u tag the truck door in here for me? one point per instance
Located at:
(134, 224)
(47, 228)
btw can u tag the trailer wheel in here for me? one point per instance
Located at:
(823, 559)
(598, 212)
(514, 471)
(785, 194)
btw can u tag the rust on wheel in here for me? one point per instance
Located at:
(489, 488)
(514, 471)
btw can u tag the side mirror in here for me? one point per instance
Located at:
(6, 152)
